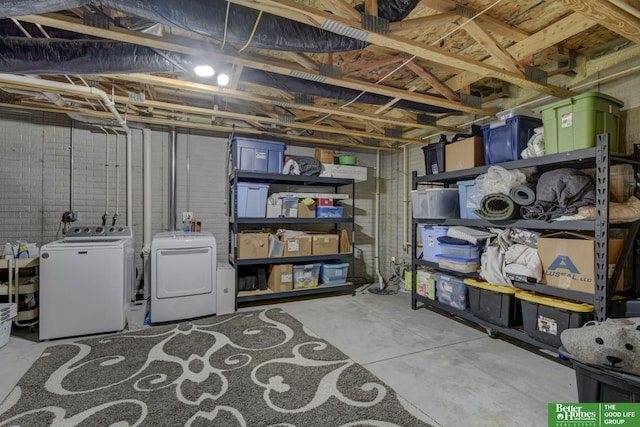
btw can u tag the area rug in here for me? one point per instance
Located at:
(258, 368)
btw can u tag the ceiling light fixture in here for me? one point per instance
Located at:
(223, 79)
(203, 70)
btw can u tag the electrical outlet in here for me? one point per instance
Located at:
(186, 216)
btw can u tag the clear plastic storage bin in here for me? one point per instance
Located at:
(461, 265)
(252, 199)
(430, 247)
(306, 275)
(435, 203)
(333, 273)
(460, 251)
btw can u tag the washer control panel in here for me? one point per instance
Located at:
(88, 231)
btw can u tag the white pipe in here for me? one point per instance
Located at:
(377, 222)
(106, 168)
(405, 199)
(48, 84)
(146, 202)
(129, 178)
(117, 167)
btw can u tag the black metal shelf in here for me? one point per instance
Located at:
(274, 178)
(236, 225)
(597, 157)
(576, 159)
(288, 259)
(261, 221)
(249, 296)
(514, 223)
(490, 327)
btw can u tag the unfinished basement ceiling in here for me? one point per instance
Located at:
(368, 74)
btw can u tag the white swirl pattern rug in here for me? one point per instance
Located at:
(260, 368)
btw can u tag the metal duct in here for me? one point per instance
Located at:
(56, 56)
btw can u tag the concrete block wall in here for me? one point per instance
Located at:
(35, 182)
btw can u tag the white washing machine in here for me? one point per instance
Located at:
(86, 281)
(183, 275)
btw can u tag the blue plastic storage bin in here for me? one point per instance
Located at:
(333, 272)
(465, 188)
(430, 247)
(504, 140)
(451, 291)
(257, 155)
(329, 211)
(252, 199)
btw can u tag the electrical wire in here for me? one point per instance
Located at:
(253, 32)
(226, 23)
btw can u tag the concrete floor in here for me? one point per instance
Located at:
(447, 372)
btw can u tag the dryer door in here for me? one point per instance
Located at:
(183, 272)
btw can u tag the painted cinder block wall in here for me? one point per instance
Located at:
(35, 181)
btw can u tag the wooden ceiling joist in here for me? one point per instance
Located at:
(399, 27)
(176, 45)
(307, 15)
(500, 54)
(435, 83)
(611, 16)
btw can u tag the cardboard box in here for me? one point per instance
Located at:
(325, 156)
(253, 245)
(568, 260)
(325, 244)
(306, 210)
(464, 154)
(280, 277)
(296, 246)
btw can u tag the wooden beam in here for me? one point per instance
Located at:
(342, 8)
(371, 7)
(485, 40)
(422, 22)
(172, 44)
(543, 39)
(303, 60)
(209, 90)
(201, 126)
(362, 65)
(494, 25)
(609, 15)
(436, 83)
(307, 15)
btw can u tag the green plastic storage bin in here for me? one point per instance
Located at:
(574, 123)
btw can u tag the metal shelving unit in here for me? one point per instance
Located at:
(236, 224)
(598, 157)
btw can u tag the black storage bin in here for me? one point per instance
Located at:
(604, 385)
(495, 304)
(434, 157)
(545, 317)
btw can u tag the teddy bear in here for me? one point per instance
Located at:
(613, 344)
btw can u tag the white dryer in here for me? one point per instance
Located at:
(183, 275)
(86, 281)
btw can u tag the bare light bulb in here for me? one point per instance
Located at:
(223, 80)
(203, 70)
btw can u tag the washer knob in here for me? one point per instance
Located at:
(87, 230)
(99, 229)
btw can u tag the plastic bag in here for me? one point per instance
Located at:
(535, 145)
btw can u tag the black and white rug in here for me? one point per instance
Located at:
(260, 368)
